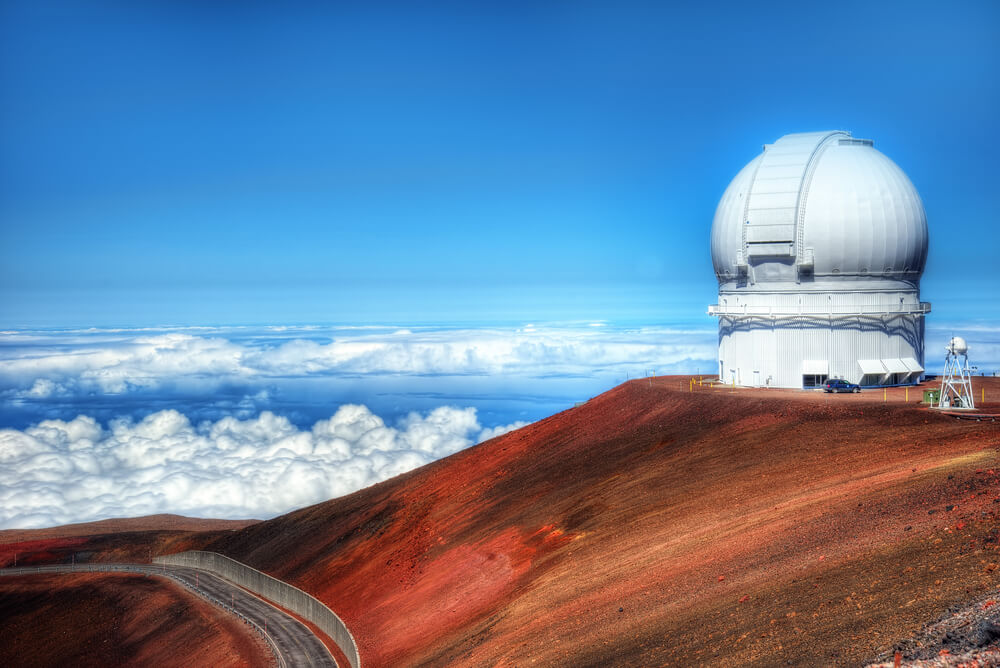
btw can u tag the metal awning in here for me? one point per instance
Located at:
(895, 366)
(872, 366)
(912, 365)
(815, 367)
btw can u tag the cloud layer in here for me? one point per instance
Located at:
(59, 472)
(236, 421)
(40, 365)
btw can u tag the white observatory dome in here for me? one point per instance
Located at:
(818, 245)
(819, 208)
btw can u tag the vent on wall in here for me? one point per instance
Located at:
(777, 249)
(856, 142)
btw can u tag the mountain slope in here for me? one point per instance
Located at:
(118, 619)
(657, 526)
(161, 522)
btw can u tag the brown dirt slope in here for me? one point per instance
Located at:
(121, 546)
(655, 525)
(135, 539)
(163, 522)
(90, 619)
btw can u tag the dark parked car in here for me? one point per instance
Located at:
(840, 385)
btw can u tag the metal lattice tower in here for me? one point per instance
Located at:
(956, 382)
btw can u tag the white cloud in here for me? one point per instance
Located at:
(115, 362)
(42, 388)
(500, 430)
(58, 471)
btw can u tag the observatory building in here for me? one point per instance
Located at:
(818, 245)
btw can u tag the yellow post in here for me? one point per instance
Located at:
(907, 395)
(885, 394)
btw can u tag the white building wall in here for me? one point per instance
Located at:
(764, 351)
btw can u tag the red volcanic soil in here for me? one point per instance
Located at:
(90, 619)
(134, 540)
(148, 523)
(654, 525)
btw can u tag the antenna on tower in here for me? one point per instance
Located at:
(956, 382)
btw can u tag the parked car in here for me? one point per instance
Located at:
(840, 385)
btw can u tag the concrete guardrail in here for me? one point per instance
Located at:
(273, 589)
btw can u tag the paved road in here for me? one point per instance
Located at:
(292, 642)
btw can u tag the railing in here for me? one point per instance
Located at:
(817, 311)
(273, 589)
(246, 620)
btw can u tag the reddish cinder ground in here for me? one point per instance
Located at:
(657, 525)
(91, 619)
(162, 522)
(135, 539)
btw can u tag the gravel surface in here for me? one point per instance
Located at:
(967, 635)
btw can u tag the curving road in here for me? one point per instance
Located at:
(291, 641)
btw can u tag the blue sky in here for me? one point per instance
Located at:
(256, 255)
(214, 163)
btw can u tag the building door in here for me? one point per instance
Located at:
(813, 380)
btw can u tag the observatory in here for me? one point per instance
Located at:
(818, 245)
